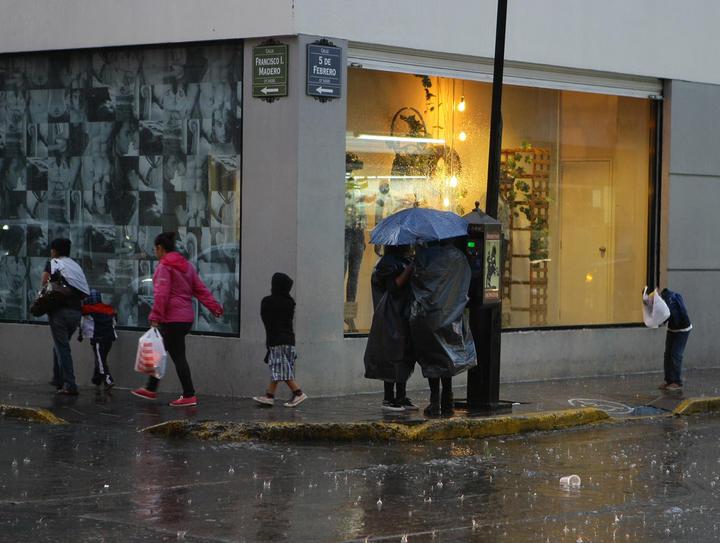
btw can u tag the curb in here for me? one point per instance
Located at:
(694, 406)
(383, 431)
(30, 413)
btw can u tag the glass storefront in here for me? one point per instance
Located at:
(109, 148)
(575, 180)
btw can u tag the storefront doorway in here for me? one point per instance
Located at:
(586, 248)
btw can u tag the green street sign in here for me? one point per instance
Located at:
(270, 71)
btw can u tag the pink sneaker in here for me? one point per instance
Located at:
(144, 393)
(184, 402)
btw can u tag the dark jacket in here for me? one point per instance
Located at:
(98, 320)
(439, 326)
(277, 312)
(383, 279)
(388, 352)
(679, 319)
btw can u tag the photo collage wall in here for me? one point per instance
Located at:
(109, 148)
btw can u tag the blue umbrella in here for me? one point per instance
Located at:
(416, 225)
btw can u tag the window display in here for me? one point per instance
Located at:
(573, 196)
(109, 148)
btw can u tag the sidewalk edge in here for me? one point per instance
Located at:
(693, 406)
(436, 429)
(30, 413)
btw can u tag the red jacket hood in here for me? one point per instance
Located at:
(97, 308)
(175, 260)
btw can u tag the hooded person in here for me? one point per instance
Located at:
(277, 312)
(175, 282)
(388, 352)
(439, 325)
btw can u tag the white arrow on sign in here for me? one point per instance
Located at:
(323, 89)
(266, 90)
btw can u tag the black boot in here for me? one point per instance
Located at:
(447, 406)
(433, 410)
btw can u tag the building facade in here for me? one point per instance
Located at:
(274, 135)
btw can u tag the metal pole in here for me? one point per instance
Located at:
(493, 185)
(483, 383)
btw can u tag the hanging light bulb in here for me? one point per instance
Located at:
(462, 136)
(461, 105)
(446, 202)
(453, 181)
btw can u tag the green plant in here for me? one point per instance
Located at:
(519, 196)
(427, 84)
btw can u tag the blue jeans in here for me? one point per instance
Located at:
(63, 323)
(674, 348)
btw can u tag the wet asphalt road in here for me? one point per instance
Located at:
(642, 481)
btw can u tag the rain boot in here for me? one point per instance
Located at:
(447, 406)
(433, 410)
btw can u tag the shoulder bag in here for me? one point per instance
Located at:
(51, 296)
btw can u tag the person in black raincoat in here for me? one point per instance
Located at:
(439, 327)
(388, 354)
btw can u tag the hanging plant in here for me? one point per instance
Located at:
(427, 84)
(519, 195)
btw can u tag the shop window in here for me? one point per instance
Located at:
(109, 148)
(573, 195)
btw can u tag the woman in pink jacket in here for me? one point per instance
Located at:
(175, 282)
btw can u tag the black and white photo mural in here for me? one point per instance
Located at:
(109, 148)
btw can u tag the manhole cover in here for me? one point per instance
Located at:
(616, 409)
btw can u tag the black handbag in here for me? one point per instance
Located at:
(53, 295)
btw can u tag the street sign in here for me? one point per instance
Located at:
(270, 71)
(324, 68)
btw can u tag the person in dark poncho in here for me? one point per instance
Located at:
(277, 312)
(98, 324)
(439, 326)
(388, 353)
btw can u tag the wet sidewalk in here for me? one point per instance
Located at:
(551, 403)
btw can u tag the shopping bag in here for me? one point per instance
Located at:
(655, 310)
(151, 355)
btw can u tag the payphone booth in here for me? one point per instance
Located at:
(485, 251)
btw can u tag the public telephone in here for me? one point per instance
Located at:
(484, 251)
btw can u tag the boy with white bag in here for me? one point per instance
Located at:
(670, 307)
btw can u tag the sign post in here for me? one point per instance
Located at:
(270, 73)
(324, 69)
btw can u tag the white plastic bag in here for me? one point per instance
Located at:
(655, 310)
(151, 355)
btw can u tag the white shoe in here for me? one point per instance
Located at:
(391, 406)
(265, 400)
(296, 400)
